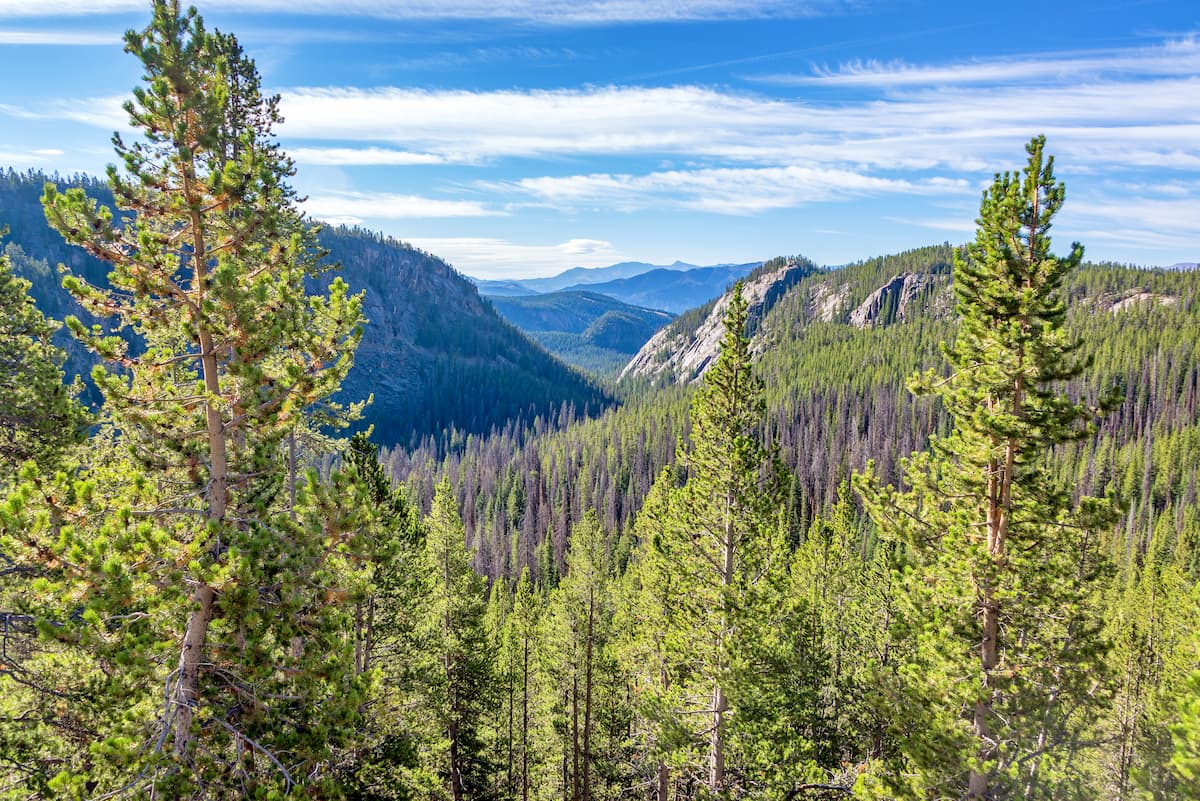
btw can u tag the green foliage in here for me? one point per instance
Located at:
(1186, 760)
(458, 690)
(222, 604)
(998, 591)
(39, 416)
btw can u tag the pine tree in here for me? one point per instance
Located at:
(1185, 762)
(651, 637)
(728, 518)
(39, 415)
(459, 694)
(388, 605)
(522, 644)
(209, 256)
(1008, 658)
(581, 612)
(722, 534)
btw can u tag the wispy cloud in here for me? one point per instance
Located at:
(1176, 57)
(928, 130)
(587, 12)
(357, 207)
(485, 257)
(40, 156)
(52, 37)
(956, 128)
(726, 191)
(364, 156)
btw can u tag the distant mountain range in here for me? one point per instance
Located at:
(592, 331)
(597, 318)
(673, 290)
(673, 287)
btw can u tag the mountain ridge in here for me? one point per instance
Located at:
(429, 332)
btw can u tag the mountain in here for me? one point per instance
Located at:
(436, 354)
(672, 289)
(587, 276)
(503, 289)
(428, 338)
(589, 330)
(681, 352)
(836, 396)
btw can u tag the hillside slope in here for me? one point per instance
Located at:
(429, 335)
(683, 350)
(592, 331)
(837, 396)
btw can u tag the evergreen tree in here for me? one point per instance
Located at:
(728, 520)
(460, 691)
(722, 535)
(1008, 659)
(388, 605)
(522, 645)
(652, 639)
(209, 257)
(581, 622)
(39, 415)
(1185, 762)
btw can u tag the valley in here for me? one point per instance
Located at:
(298, 510)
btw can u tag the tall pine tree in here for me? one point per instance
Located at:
(997, 598)
(209, 255)
(459, 688)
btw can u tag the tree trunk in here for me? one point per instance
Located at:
(187, 693)
(587, 700)
(525, 717)
(575, 734)
(716, 745)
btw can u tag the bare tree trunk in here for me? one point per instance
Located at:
(187, 692)
(587, 699)
(720, 704)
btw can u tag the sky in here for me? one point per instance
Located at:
(516, 138)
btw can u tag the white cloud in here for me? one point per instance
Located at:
(354, 207)
(499, 258)
(547, 11)
(73, 38)
(725, 191)
(1177, 57)
(1097, 124)
(36, 157)
(363, 156)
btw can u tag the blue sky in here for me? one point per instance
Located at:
(519, 138)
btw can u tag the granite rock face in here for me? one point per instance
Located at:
(898, 295)
(682, 356)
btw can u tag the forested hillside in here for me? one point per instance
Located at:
(431, 332)
(591, 331)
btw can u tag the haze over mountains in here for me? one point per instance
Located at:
(674, 288)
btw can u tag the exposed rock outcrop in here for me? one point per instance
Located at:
(892, 302)
(828, 301)
(1139, 297)
(683, 355)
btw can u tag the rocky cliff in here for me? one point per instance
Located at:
(681, 352)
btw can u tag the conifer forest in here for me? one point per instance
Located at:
(925, 526)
